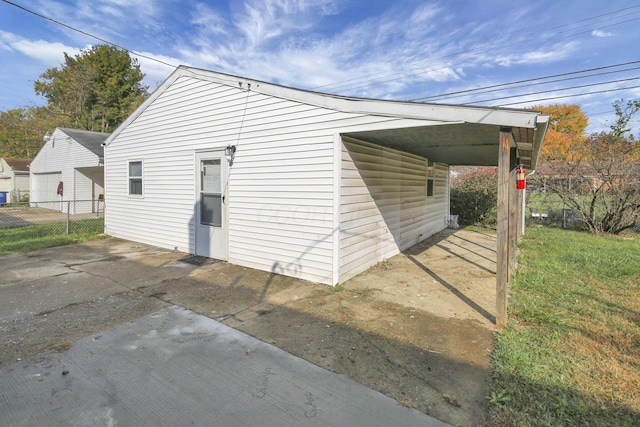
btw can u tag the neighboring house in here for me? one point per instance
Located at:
(69, 167)
(14, 178)
(309, 185)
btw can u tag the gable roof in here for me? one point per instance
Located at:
(92, 141)
(466, 135)
(18, 165)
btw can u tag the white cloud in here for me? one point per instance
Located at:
(285, 41)
(50, 54)
(600, 33)
(549, 54)
(103, 18)
(208, 20)
(263, 20)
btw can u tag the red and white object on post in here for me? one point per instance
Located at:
(521, 181)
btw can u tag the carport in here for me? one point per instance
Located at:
(310, 185)
(505, 138)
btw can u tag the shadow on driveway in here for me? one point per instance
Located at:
(417, 328)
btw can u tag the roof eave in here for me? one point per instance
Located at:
(540, 131)
(443, 113)
(404, 109)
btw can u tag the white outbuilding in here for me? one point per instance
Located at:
(14, 179)
(311, 185)
(69, 168)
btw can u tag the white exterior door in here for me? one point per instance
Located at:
(210, 205)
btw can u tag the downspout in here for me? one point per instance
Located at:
(524, 203)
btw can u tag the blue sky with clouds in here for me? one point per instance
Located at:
(367, 48)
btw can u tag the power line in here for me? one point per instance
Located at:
(553, 90)
(485, 88)
(533, 101)
(39, 15)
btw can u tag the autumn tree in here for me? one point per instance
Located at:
(566, 131)
(21, 130)
(95, 90)
(602, 182)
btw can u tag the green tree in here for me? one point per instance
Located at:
(22, 129)
(95, 90)
(474, 196)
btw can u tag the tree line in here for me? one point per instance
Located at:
(95, 90)
(596, 177)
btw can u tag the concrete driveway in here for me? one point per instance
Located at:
(117, 333)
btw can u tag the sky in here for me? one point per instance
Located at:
(402, 50)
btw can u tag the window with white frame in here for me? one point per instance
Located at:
(135, 178)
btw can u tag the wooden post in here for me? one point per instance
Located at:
(502, 264)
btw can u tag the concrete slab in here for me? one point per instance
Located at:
(177, 368)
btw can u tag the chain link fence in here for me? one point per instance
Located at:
(52, 218)
(549, 209)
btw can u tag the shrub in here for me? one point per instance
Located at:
(474, 196)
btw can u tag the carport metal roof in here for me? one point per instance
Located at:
(460, 144)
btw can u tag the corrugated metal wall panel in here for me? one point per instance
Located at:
(384, 204)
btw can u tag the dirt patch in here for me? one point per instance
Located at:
(417, 327)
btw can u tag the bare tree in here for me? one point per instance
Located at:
(602, 183)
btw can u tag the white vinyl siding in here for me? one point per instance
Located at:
(21, 182)
(88, 186)
(281, 186)
(384, 204)
(279, 189)
(63, 159)
(6, 183)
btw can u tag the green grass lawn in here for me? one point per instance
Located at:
(33, 237)
(544, 202)
(571, 353)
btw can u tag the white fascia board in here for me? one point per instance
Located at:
(538, 137)
(409, 110)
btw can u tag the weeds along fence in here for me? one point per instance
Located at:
(549, 209)
(16, 196)
(52, 218)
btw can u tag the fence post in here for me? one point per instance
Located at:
(68, 214)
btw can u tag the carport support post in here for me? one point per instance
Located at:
(502, 266)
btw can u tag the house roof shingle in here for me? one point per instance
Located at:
(18, 165)
(92, 141)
